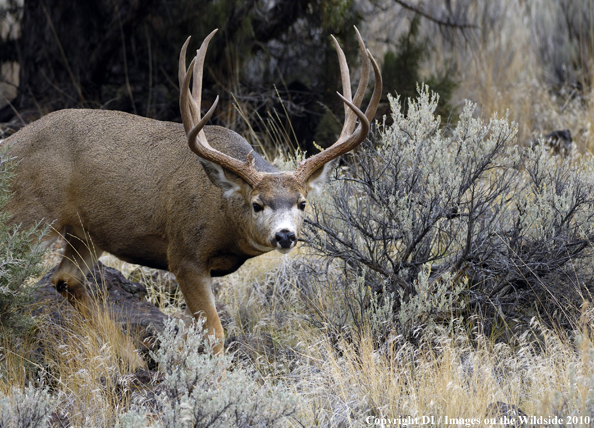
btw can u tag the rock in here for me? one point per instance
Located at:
(124, 299)
(559, 141)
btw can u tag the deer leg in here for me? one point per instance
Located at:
(79, 257)
(197, 291)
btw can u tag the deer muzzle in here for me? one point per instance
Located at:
(285, 239)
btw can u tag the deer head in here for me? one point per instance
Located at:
(272, 205)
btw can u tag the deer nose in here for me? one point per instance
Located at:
(285, 238)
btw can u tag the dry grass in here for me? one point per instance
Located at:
(86, 360)
(81, 359)
(457, 375)
(505, 72)
(450, 377)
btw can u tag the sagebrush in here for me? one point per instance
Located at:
(203, 390)
(428, 223)
(20, 259)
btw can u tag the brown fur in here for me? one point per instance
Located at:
(131, 186)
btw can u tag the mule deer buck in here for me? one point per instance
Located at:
(131, 185)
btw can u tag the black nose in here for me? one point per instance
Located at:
(285, 238)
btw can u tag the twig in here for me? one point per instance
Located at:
(13, 108)
(128, 87)
(438, 21)
(63, 54)
(150, 59)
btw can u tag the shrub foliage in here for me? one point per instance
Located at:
(19, 261)
(426, 224)
(203, 390)
(30, 407)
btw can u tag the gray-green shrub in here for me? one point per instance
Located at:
(20, 259)
(203, 390)
(28, 408)
(437, 223)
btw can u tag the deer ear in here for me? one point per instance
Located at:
(316, 181)
(231, 184)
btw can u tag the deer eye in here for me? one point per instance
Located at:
(301, 205)
(257, 207)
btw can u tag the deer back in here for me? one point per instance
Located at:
(132, 182)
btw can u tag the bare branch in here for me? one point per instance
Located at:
(432, 18)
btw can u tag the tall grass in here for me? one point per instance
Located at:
(452, 376)
(83, 360)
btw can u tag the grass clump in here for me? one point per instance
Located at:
(457, 374)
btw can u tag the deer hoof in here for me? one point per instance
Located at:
(61, 286)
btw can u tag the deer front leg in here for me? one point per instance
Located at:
(196, 287)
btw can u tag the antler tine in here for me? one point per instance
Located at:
(377, 89)
(348, 139)
(199, 70)
(184, 103)
(195, 124)
(346, 81)
(350, 117)
(187, 105)
(363, 81)
(181, 73)
(191, 118)
(343, 145)
(190, 109)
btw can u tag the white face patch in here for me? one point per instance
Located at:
(279, 228)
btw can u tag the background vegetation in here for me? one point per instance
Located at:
(20, 259)
(446, 270)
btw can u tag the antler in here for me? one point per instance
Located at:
(189, 105)
(348, 139)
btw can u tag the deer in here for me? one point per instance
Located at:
(131, 186)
